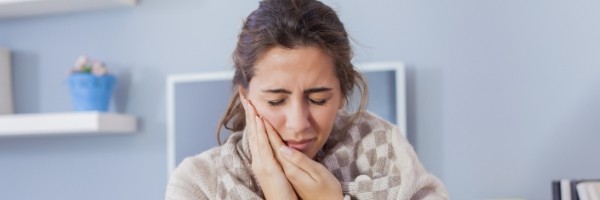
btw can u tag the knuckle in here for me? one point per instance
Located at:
(292, 173)
(296, 157)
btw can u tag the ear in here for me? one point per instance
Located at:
(242, 91)
(343, 103)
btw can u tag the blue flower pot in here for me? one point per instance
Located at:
(90, 92)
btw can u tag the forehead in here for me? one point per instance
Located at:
(310, 66)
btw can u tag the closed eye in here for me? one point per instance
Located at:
(276, 102)
(319, 102)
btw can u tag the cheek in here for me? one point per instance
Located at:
(272, 116)
(325, 118)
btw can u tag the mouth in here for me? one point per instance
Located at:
(300, 145)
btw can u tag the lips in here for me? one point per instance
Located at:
(300, 145)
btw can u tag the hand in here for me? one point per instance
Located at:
(310, 179)
(266, 168)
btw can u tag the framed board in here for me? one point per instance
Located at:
(196, 102)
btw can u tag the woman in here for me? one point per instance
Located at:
(292, 139)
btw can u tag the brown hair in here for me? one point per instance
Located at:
(291, 24)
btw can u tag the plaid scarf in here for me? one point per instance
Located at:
(372, 160)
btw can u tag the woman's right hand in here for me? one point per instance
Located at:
(266, 168)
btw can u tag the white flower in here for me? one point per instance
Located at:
(81, 62)
(85, 65)
(98, 68)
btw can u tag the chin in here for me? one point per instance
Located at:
(310, 155)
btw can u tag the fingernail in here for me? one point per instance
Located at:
(285, 150)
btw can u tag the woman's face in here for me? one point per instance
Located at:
(298, 92)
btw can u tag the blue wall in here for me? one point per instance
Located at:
(502, 95)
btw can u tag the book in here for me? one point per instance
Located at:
(576, 189)
(588, 190)
(565, 189)
(556, 190)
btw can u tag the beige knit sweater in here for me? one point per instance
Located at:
(372, 160)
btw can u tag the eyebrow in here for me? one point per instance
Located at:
(307, 91)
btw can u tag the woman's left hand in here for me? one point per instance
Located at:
(310, 179)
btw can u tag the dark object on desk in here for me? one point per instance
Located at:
(576, 189)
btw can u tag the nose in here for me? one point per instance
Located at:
(298, 117)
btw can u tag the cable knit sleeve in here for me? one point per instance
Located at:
(423, 185)
(189, 180)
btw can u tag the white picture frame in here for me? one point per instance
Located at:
(218, 81)
(6, 98)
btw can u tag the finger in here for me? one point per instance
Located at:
(263, 142)
(296, 175)
(273, 137)
(248, 111)
(250, 115)
(277, 144)
(259, 132)
(304, 163)
(250, 130)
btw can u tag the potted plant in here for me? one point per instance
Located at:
(90, 85)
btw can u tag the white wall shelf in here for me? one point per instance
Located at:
(6, 100)
(66, 123)
(23, 8)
